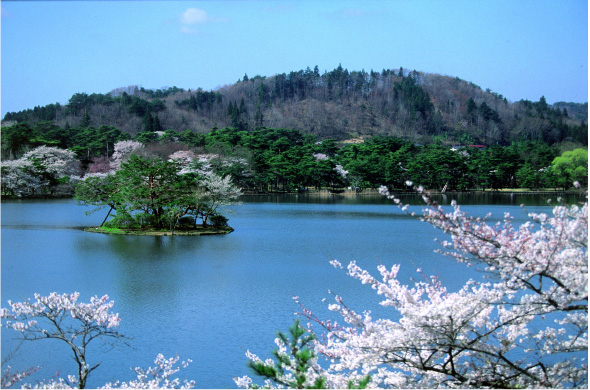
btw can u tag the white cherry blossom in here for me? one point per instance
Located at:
(526, 326)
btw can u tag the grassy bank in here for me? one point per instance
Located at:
(198, 231)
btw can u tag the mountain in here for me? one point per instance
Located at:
(339, 104)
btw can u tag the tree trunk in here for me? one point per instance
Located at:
(105, 218)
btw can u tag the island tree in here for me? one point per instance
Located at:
(156, 193)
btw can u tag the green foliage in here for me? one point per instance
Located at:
(414, 95)
(277, 159)
(201, 101)
(146, 137)
(291, 368)
(218, 220)
(159, 93)
(150, 123)
(572, 166)
(99, 191)
(87, 142)
(362, 384)
(437, 167)
(122, 220)
(237, 115)
(140, 192)
(287, 160)
(152, 193)
(295, 362)
(186, 222)
(16, 138)
(292, 362)
(528, 177)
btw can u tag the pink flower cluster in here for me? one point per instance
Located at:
(157, 377)
(526, 327)
(22, 314)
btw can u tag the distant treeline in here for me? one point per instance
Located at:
(418, 107)
(267, 159)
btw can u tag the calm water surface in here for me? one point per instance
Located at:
(211, 298)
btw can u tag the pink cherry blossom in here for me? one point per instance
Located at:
(63, 318)
(527, 326)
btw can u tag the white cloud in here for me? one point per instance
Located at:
(194, 16)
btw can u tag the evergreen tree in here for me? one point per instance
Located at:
(294, 364)
(471, 111)
(85, 122)
(147, 122)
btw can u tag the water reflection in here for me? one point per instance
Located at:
(464, 198)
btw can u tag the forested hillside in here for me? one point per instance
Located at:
(339, 104)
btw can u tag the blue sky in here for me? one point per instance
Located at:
(521, 49)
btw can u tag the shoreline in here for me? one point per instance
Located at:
(209, 231)
(351, 192)
(373, 191)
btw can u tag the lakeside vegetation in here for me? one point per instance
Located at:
(283, 160)
(293, 132)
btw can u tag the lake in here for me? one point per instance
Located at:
(211, 298)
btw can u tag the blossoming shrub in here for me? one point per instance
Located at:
(157, 377)
(77, 324)
(525, 327)
(63, 318)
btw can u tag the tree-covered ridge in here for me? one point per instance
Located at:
(337, 104)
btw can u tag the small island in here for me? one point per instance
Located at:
(199, 231)
(151, 195)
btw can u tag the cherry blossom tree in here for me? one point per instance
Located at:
(218, 192)
(20, 178)
(56, 162)
(184, 159)
(41, 169)
(183, 156)
(9, 377)
(122, 150)
(63, 318)
(161, 376)
(157, 377)
(341, 171)
(525, 327)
